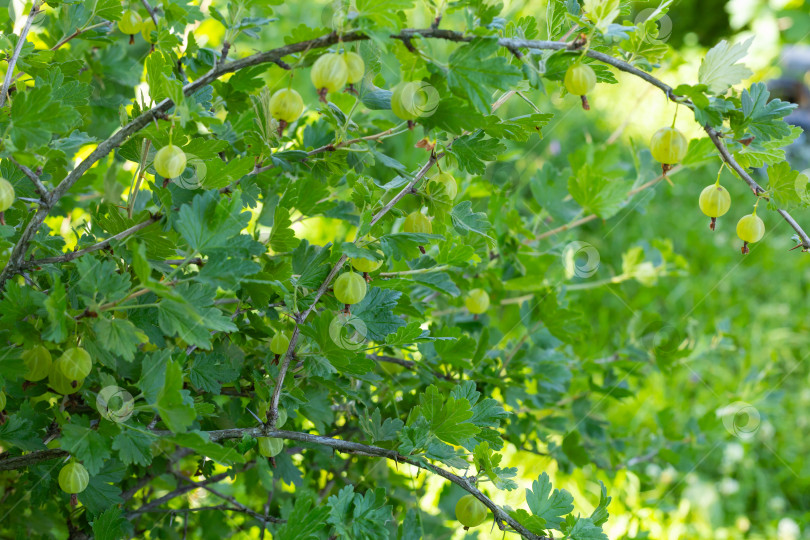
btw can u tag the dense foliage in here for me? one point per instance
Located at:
(273, 272)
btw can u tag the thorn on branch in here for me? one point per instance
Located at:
(282, 64)
(578, 43)
(436, 22)
(516, 52)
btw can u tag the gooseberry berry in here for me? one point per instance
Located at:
(580, 79)
(329, 74)
(477, 301)
(6, 194)
(350, 288)
(750, 229)
(365, 265)
(269, 446)
(280, 343)
(73, 478)
(37, 363)
(356, 67)
(60, 383)
(410, 100)
(470, 511)
(449, 183)
(668, 146)
(170, 161)
(130, 22)
(286, 105)
(417, 222)
(147, 28)
(75, 364)
(714, 201)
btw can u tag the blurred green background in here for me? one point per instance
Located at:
(732, 331)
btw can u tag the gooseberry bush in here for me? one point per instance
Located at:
(264, 261)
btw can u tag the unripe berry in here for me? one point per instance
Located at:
(269, 446)
(350, 288)
(449, 183)
(668, 146)
(750, 229)
(329, 73)
(6, 194)
(417, 222)
(73, 478)
(280, 343)
(75, 364)
(580, 79)
(470, 512)
(170, 161)
(147, 28)
(38, 363)
(477, 301)
(365, 265)
(130, 22)
(286, 105)
(356, 67)
(714, 201)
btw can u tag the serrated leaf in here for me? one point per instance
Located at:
(547, 504)
(719, 70)
(475, 73)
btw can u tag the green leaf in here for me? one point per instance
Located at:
(472, 151)
(56, 306)
(448, 420)
(584, 529)
(87, 445)
(111, 525)
(547, 505)
(208, 371)
(304, 521)
(19, 432)
(535, 524)
(719, 70)
(761, 117)
(601, 12)
(475, 73)
(487, 461)
(211, 222)
(134, 447)
(36, 115)
(405, 246)
(787, 187)
(466, 221)
(119, 336)
(378, 430)
(174, 409)
(597, 193)
(376, 311)
(282, 237)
